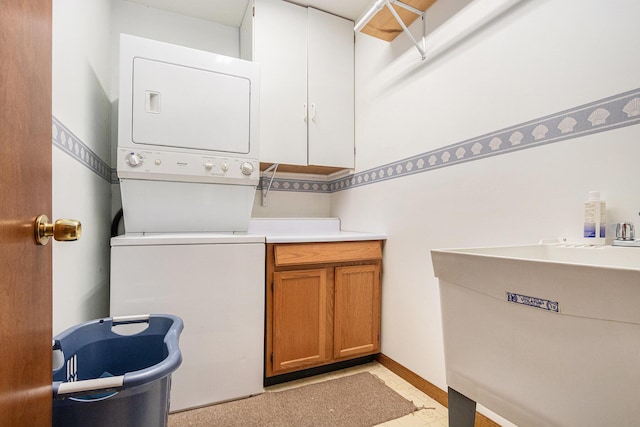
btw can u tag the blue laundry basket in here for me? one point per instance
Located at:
(110, 378)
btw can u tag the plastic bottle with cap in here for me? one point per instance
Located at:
(595, 225)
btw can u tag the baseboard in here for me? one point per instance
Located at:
(292, 376)
(433, 391)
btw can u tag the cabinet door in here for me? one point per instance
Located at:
(299, 319)
(357, 311)
(280, 46)
(331, 89)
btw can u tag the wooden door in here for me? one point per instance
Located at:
(25, 192)
(357, 311)
(300, 319)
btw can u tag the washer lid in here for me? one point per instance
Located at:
(156, 239)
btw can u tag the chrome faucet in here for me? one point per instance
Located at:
(625, 235)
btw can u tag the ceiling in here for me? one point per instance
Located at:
(230, 12)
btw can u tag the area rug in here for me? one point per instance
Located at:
(356, 400)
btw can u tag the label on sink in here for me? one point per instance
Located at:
(542, 303)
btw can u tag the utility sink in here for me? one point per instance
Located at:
(545, 334)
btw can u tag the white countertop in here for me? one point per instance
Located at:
(269, 230)
(157, 239)
(300, 230)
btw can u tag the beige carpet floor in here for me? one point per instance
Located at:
(356, 400)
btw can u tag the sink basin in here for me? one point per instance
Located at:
(545, 334)
(601, 256)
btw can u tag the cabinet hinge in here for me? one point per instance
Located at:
(271, 357)
(253, 12)
(272, 286)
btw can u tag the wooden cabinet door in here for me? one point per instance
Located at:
(299, 319)
(331, 90)
(357, 311)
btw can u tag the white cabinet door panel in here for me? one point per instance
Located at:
(331, 87)
(280, 46)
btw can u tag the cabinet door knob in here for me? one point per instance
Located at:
(313, 112)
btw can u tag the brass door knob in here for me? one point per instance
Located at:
(61, 230)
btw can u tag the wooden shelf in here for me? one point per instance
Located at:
(314, 170)
(384, 25)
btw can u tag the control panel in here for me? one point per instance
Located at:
(186, 167)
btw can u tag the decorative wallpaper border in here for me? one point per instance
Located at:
(68, 142)
(606, 114)
(297, 185)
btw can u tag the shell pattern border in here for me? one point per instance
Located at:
(599, 116)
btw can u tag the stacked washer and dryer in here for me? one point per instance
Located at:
(187, 161)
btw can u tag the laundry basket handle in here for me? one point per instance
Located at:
(124, 320)
(74, 387)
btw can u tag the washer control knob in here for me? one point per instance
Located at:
(208, 166)
(134, 160)
(224, 167)
(246, 168)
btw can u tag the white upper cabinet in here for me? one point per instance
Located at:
(306, 98)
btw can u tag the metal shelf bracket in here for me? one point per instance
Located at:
(265, 192)
(379, 4)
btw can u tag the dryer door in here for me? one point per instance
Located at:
(185, 107)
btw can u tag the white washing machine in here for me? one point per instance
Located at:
(187, 161)
(215, 283)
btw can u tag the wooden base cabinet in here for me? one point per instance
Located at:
(323, 304)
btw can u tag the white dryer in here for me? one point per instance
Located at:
(187, 156)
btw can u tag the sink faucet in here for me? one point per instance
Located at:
(625, 235)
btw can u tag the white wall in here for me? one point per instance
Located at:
(283, 204)
(539, 58)
(82, 69)
(81, 79)
(138, 20)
